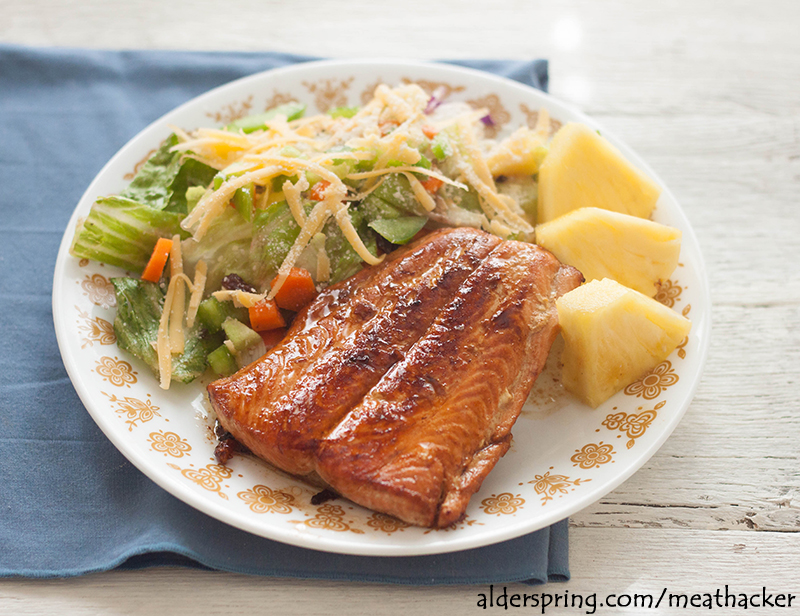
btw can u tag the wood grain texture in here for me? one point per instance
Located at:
(709, 94)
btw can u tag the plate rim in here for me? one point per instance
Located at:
(316, 542)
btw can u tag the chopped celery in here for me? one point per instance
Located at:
(312, 178)
(123, 232)
(222, 361)
(343, 112)
(212, 313)
(423, 162)
(441, 147)
(193, 196)
(162, 181)
(139, 307)
(399, 230)
(279, 180)
(240, 335)
(259, 121)
(244, 202)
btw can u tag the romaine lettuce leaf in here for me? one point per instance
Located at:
(162, 181)
(122, 232)
(139, 306)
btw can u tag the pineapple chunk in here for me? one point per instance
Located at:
(520, 154)
(582, 169)
(613, 335)
(635, 252)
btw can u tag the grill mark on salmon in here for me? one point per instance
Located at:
(341, 345)
(425, 437)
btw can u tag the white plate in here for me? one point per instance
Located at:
(564, 456)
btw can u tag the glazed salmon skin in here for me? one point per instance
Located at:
(341, 345)
(424, 438)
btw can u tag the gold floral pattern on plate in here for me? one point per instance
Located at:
(232, 111)
(116, 371)
(262, 499)
(169, 443)
(279, 98)
(368, 93)
(329, 93)
(593, 455)
(209, 478)
(651, 385)
(668, 293)
(329, 517)
(430, 87)
(133, 409)
(137, 167)
(99, 290)
(547, 486)
(504, 503)
(532, 117)
(498, 114)
(464, 523)
(386, 523)
(95, 330)
(633, 425)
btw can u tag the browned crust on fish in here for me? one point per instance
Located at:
(424, 438)
(341, 346)
(399, 387)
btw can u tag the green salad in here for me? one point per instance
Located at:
(232, 230)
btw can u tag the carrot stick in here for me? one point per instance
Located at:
(155, 266)
(318, 190)
(265, 316)
(297, 290)
(432, 184)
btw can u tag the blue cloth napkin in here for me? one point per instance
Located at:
(70, 502)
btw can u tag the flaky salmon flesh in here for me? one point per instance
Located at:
(400, 385)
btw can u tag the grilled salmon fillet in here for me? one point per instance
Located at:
(341, 345)
(424, 438)
(399, 386)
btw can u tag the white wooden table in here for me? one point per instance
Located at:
(709, 94)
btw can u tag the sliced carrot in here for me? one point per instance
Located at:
(318, 190)
(155, 266)
(297, 290)
(265, 316)
(272, 337)
(429, 131)
(432, 184)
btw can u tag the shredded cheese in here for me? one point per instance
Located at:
(293, 198)
(176, 337)
(422, 195)
(429, 172)
(240, 299)
(198, 288)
